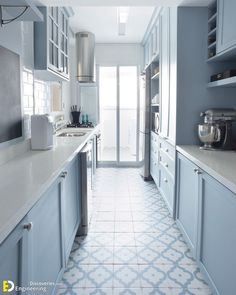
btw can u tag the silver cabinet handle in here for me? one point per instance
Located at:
(63, 175)
(166, 150)
(165, 180)
(166, 165)
(197, 171)
(28, 226)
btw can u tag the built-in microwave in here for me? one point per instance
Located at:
(155, 122)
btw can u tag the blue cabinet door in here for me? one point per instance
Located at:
(226, 37)
(71, 204)
(217, 235)
(164, 71)
(187, 200)
(14, 258)
(45, 238)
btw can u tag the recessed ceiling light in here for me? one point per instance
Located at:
(122, 17)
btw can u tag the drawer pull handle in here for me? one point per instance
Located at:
(166, 165)
(167, 150)
(165, 180)
(28, 226)
(197, 171)
(63, 175)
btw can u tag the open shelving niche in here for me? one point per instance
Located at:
(155, 86)
(218, 62)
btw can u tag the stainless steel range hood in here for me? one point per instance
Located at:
(85, 43)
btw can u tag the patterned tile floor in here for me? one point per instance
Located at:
(133, 246)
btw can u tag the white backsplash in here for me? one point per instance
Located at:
(35, 100)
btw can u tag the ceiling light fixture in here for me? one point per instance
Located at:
(122, 16)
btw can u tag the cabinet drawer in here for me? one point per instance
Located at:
(154, 169)
(167, 162)
(167, 148)
(154, 138)
(167, 187)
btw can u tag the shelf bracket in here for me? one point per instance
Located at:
(8, 21)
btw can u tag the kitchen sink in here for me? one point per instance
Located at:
(71, 134)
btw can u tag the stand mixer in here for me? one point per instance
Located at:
(216, 131)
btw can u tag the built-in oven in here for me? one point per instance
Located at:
(86, 183)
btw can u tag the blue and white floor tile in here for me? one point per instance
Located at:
(133, 246)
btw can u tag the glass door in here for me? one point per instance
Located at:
(108, 114)
(119, 114)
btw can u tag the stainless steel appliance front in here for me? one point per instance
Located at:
(86, 172)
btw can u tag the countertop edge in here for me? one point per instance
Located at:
(220, 178)
(23, 211)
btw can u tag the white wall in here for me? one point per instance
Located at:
(119, 54)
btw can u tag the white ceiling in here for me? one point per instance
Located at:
(153, 3)
(102, 21)
(100, 16)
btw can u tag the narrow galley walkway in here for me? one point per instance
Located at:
(133, 246)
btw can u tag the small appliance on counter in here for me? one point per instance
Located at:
(216, 131)
(42, 130)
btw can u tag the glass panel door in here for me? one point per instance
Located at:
(108, 113)
(119, 111)
(128, 102)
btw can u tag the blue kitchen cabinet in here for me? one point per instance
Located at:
(154, 165)
(46, 247)
(217, 235)
(71, 204)
(164, 70)
(14, 256)
(51, 44)
(226, 36)
(187, 200)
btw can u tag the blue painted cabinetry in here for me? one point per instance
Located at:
(45, 238)
(38, 248)
(187, 200)
(51, 44)
(71, 204)
(226, 37)
(217, 235)
(206, 216)
(154, 163)
(14, 258)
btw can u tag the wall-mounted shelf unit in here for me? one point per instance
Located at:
(155, 76)
(228, 82)
(212, 29)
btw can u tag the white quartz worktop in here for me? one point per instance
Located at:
(24, 179)
(219, 164)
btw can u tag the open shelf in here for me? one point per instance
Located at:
(212, 18)
(228, 82)
(156, 76)
(212, 32)
(155, 104)
(212, 45)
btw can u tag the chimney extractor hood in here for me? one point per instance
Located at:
(85, 42)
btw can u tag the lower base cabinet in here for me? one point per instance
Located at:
(217, 235)
(206, 214)
(71, 204)
(187, 201)
(45, 239)
(14, 259)
(37, 250)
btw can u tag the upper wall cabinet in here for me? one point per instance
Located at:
(51, 40)
(227, 23)
(151, 47)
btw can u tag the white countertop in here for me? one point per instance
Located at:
(24, 179)
(219, 164)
